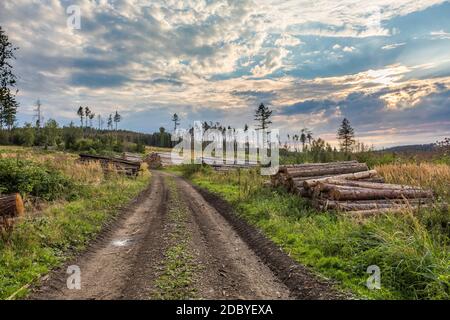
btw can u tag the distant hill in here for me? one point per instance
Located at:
(411, 148)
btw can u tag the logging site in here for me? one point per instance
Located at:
(224, 157)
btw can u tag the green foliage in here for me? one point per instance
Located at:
(29, 178)
(188, 170)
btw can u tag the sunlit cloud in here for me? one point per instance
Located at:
(221, 59)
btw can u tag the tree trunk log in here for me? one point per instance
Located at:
(11, 205)
(375, 212)
(368, 185)
(310, 183)
(354, 193)
(357, 167)
(285, 168)
(371, 204)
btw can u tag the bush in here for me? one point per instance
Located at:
(189, 170)
(29, 178)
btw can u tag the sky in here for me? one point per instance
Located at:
(384, 65)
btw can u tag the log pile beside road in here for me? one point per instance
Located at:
(153, 160)
(349, 187)
(122, 166)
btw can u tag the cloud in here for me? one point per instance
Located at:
(97, 80)
(220, 58)
(392, 46)
(286, 40)
(348, 49)
(272, 61)
(441, 34)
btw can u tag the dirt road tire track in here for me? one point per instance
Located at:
(235, 260)
(110, 268)
(302, 282)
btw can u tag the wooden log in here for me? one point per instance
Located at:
(11, 205)
(300, 191)
(354, 193)
(328, 170)
(376, 179)
(284, 168)
(376, 212)
(369, 185)
(349, 176)
(370, 204)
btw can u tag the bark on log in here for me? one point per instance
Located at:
(311, 172)
(349, 176)
(369, 185)
(375, 212)
(11, 205)
(353, 193)
(284, 168)
(371, 204)
(374, 179)
(328, 171)
(300, 191)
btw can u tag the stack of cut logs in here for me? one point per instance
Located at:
(153, 160)
(349, 186)
(122, 166)
(11, 207)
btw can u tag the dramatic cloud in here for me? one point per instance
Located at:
(216, 60)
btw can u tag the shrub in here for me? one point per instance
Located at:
(29, 178)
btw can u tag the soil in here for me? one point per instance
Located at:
(232, 260)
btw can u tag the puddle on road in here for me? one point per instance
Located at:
(121, 243)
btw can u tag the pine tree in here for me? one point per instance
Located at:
(80, 113)
(91, 117)
(346, 136)
(117, 118)
(8, 103)
(262, 115)
(87, 113)
(303, 139)
(9, 111)
(110, 122)
(176, 122)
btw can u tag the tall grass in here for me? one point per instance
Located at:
(427, 175)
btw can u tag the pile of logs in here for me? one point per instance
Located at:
(133, 157)
(11, 207)
(349, 187)
(122, 166)
(153, 160)
(293, 176)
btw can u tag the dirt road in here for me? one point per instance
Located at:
(178, 242)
